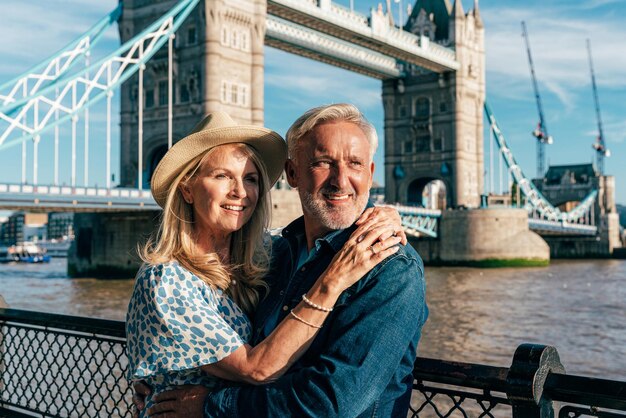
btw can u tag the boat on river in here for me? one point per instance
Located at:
(26, 252)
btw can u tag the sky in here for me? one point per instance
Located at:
(34, 29)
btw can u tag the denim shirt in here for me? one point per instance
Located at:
(361, 362)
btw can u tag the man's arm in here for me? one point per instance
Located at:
(365, 345)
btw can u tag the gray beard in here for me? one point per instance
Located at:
(329, 218)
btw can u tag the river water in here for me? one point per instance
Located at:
(476, 315)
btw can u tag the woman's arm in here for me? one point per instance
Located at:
(271, 358)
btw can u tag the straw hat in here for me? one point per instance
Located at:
(215, 129)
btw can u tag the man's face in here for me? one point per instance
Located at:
(333, 173)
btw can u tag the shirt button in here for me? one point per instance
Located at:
(282, 292)
(303, 269)
(285, 308)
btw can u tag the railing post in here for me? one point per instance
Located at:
(531, 365)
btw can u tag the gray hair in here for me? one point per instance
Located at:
(340, 112)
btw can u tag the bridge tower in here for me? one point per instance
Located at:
(434, 122)
(565, 186)
(217, 65)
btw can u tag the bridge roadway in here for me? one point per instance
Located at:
(296, 39)
(74, 199)
(418, 222)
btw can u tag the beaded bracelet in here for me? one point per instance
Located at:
(303, 321)
(315, 305)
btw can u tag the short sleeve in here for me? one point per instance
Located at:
(174, 323)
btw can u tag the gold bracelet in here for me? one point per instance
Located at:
(314, 305)
(303, 321)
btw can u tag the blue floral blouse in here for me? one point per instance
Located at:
(177, 323)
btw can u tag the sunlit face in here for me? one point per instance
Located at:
(223, 192)
(333, 172)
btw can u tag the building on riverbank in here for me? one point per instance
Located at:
(21, 227)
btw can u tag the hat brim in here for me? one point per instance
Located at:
(270, 146)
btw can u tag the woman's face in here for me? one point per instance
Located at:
(224, 191)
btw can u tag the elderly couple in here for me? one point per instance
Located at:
(225, 321)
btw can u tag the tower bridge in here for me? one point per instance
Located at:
(171, 69)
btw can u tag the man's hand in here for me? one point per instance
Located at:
(184, 402)
(141, 391)
(384, 215)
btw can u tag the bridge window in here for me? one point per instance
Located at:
(422, 108)
(184, 93)
(235, 39)
(149, 98)
(162, 93)
(420, 126)
(192, 36)
(133, 95)
(408, 147)
(245, 45)
(438, 143)
(443, 107)
(233, 93)
(242, 99)
(225, 36)
(224, 93)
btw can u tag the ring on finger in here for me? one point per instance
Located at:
(371, 248)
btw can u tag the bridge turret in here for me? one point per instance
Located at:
(477, 19)
(457, 10)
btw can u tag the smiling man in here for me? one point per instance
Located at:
(360, 364)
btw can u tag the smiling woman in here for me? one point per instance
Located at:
(224, 191)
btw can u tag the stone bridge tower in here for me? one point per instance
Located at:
(434, 122)
(565, 186)
(218, 65)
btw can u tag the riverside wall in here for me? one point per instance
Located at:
(489, 237)
(106, 243)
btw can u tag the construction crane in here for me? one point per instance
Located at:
(541, 131)
(598, 145)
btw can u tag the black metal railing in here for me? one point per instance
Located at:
(64, 366)
(534, 386)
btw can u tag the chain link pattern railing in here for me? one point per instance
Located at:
(442, 402)
(62, 366)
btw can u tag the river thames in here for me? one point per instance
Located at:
(476, 315)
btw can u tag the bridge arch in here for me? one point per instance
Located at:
(429, 192)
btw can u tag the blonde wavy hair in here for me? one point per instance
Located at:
(249, 250)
